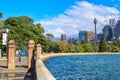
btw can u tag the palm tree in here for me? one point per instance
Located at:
(49, 36)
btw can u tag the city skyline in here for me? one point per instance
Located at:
(65, 16)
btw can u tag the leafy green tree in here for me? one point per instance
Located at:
(109, 48)
(56, 48)
(1, 30)
(88, 47)
(79, 48)
(50, 37)
(118, 43)
(71, 48)
(60, 47)
(22, 30)
(115, 48)
(83, 42)
(1, 15)
(95, 46)
(1, 24)
(102, 45)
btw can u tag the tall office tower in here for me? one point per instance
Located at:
(63, 37)
(107, 31)
(112, 23)
(117, 30)
(89, 35)
(81, 36)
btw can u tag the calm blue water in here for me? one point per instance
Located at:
(87, 67)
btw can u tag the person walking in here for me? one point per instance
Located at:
(19, 56)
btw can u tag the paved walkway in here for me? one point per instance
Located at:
(21, 71)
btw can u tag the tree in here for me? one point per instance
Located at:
(102, 45)
(1, 15)
(60, 46)
(79, 48)
(115, 48)
(49, 36)
(88, 47)
(22, 30)
(1, 30)
(16, 21)
(71, 48)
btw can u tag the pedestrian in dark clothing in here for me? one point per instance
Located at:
(19, 57)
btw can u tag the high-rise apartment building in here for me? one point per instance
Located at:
(112, 23)
(81, 36)
(89, 35)
(86, 35)
(63, 37)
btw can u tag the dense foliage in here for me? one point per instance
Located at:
(102, 45)
(22, 29)
(59, 47)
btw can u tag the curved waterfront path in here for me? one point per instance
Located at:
(21, 71)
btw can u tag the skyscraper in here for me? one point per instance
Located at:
(86, 35)
(81, 36)
(63, 37)
(107, 31)
(89, 35)
(112, 23)
(117, 30)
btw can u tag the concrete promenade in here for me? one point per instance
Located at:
(21, 71)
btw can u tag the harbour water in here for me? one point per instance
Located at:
(85, 67)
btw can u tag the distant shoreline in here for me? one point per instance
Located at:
(49, 55)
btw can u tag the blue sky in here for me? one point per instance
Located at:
(63, 16)
(38, 9)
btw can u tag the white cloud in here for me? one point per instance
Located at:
(78, 17)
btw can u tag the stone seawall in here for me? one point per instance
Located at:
(42, 72)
